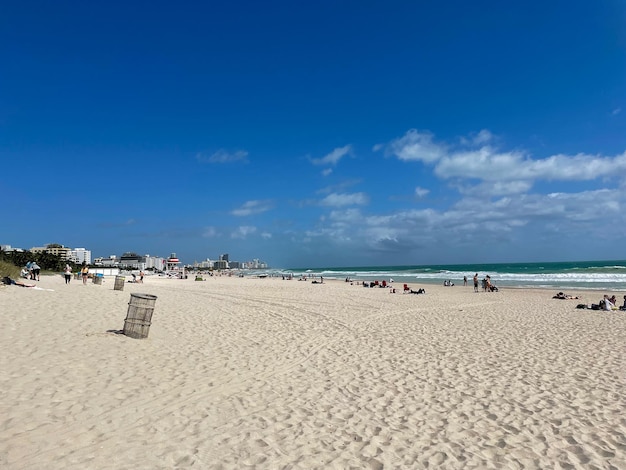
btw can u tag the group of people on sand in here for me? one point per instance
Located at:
(387, 285)
(140, 280)
(31, 271)
(382, 283)
(606, 303)
(418, 291)
(488, 286)
(610, 303)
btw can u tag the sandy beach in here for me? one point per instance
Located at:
(267, 373)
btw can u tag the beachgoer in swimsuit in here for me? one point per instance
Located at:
(85, 273)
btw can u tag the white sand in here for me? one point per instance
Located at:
(265, 373)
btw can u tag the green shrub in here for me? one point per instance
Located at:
(9, 269)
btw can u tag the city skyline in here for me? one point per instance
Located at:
(333, 134)
(87, 255)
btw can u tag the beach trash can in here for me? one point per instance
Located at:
(139, 315)
(119, 283)
(97, 279)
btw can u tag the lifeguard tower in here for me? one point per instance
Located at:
(172, 264)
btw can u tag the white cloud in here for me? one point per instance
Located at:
(496, 203)
(488, 163)
(327, 171)
(478, 220)
(497, 188)
(338, 199)
(253, 207)
(495, 206)
(348, 216)
(222, 156)
(243, 231)
(578, 167)
(482, 137)
(476, 139)
(344, 185)
(421, 192)
(616, 111)
(483, 163)
(416, 145)
(333, 157)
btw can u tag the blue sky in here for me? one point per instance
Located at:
(316, 134)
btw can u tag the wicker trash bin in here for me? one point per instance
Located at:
(119, 283)
(139, 315)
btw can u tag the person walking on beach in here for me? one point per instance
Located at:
(464, 280)
(68, 273)
(85, 273)
(476, 282)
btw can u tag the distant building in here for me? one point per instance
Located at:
(255, 264)
(206, 264)
(9, 248)
(220, 264)
(224, 257)
(53, 249)
(130, 260)
(155, 262)
(80, 256)
(111, 261)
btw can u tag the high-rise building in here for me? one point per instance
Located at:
(155, 262)
(220, 264)
(80, 256)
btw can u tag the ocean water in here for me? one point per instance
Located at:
(598, 275)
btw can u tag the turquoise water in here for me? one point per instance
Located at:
(602, 275)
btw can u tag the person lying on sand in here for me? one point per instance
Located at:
(10, 282)
(561, 295)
